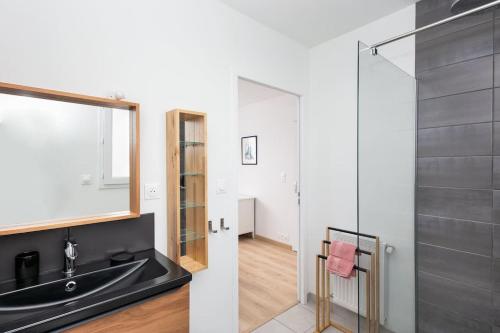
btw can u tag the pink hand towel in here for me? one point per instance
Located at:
(343, 250)
(341, 259)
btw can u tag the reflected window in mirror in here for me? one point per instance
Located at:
(115, 143)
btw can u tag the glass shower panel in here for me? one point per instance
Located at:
(386, 193)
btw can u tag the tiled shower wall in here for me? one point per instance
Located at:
(458, 162)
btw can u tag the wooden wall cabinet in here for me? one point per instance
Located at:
(168, 313)
(187, 215)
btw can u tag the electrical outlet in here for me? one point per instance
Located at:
(283, 237)
(151, 191)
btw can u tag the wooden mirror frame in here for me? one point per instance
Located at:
(134, 212)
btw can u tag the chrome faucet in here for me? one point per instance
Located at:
(70, 255)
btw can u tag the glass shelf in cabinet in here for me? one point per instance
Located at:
(191, 236)
(183, 174)
(189, 204)
(191, 143)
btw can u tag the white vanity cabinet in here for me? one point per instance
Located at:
(246, 215)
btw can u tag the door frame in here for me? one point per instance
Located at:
(301, 276)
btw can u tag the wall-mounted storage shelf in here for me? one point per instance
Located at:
(187, 189)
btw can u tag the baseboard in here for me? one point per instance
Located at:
(272, 241)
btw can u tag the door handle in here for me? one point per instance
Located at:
(211, 229)
(222, 226)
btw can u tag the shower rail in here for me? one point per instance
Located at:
(374, 47)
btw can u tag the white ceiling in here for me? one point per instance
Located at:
(250, 92)
(312, 22)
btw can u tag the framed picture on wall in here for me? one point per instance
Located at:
(249, 150)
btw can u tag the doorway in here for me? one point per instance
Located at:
(268, 205)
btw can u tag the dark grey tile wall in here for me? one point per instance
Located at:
(470, 302)
(496, 207)
(460, 140)
(455, 203)
(433, 319)
(496, 40)
(461, 235)
(469, 172)
(471, 269)
(470, 75)
(496, 252)
(430, 11)
(496, 113)
(459, 46)
(496, 172)
(95, 242)
(458, 171)
(468, 108)
(497, 71)
(496, 138)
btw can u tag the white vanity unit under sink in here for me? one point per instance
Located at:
(246, 215)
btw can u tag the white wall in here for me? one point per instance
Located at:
(331, 146)
(46, 147)
(163, 54)
(274, 121)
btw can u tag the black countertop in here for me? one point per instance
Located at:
(158, 275)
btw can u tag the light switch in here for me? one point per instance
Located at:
(86, 179)
(221, 186)
(151, 191)
(283, 177)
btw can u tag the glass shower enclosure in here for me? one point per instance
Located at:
(386, 192)
(428, 175)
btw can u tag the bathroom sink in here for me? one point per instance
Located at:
(67, 290)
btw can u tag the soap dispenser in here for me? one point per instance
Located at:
(27, 268)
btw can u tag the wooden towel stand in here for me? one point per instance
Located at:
(323, 286)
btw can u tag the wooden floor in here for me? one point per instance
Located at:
(268, 282)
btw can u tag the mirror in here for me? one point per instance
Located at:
(66, 159)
